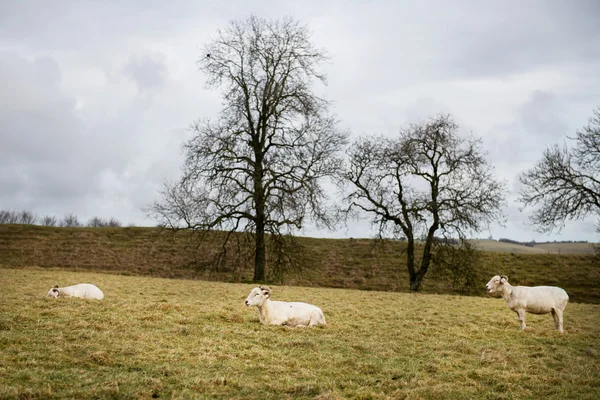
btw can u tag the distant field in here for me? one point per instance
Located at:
(341, 263)
(567, 248)
(181, 339)
(546, 248)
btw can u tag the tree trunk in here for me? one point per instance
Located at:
(259, 201)
(417, 277)
(259, 255)
(415, 280)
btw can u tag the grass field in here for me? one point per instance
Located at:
(339, 263)
(168, 338)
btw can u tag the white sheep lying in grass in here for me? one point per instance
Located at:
(83, 290)
(532, 299)
(282, 312)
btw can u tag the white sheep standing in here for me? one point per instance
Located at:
(282, 312)
(83, 290)
(532, 299)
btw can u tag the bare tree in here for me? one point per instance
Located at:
(48, 220)
(565, 183)
(70, 221)
(113, 222)
(8, 217)
(27, 217)
(429, 179)
(260, 167)
(96, 222)
(17, 217)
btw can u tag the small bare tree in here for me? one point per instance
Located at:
(96, 222)
(8, 217)
(427, 180)
(113, 222)
(260, 167)
(70, 221)
(27, 217)
(565, 183)
(48, 220)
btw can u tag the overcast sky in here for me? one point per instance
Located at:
(96, 96)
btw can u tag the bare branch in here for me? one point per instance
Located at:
(565, 183)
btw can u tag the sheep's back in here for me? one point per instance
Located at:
(540, 299)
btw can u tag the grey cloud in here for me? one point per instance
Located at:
(424, 108)
(512, 40)
(148, 71)
(542, 116)
(103, 25)
(38, 120)
(52, 25)
(400, 44)
(96, 95)
(48, 154)
(536, 123)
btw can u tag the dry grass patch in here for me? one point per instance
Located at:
(159, 338)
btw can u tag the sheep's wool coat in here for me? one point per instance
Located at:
(82, 290)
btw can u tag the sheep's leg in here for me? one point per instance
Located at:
(521, 314)
(558, 319)
(555, 316)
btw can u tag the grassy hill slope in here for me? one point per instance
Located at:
(341, 263)
(180, 339)
(541, 248)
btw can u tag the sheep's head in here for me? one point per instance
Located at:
(54, 292)
(496, 284)
(258, 295)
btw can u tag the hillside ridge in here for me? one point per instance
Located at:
(339, 263)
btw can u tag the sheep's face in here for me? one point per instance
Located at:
(257, 297)
(496, 284)
(53, 292)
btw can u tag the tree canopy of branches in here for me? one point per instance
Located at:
(260, 167)
(565, 183)
(427, 180)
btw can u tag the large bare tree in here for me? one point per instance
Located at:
(565, 183)
(427, 182)
(259, 168)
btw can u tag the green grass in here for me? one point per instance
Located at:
(168, 338)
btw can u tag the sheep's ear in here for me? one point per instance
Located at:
(267, 295)
(503, 279)
(56, 287)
